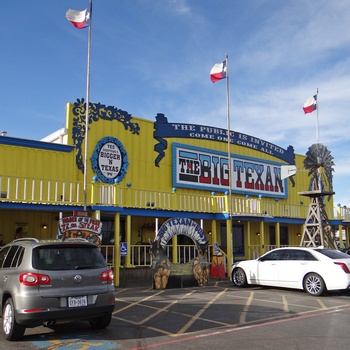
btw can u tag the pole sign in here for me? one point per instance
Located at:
(123, 248)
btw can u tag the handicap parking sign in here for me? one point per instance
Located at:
(123, 248)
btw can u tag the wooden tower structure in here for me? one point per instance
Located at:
(317, 229)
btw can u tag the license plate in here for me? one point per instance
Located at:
(77, 301)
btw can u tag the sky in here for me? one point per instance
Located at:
(154, 56)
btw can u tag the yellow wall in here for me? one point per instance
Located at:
(142, 172)
(34, 163)
(31, 221)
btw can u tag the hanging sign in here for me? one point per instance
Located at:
(80, 227)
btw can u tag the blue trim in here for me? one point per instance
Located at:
(285, 220)
(107, 210)
(47, 207)
(6, 140)
(157, 213)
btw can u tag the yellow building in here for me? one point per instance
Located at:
(141, 173)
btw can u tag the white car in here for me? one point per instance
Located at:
(315, 270)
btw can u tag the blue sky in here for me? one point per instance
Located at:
(154, 56)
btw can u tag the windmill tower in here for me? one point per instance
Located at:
(317, 229)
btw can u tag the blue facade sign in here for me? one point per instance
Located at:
(206, 169)
(165, 129)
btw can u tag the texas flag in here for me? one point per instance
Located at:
(218, 72)
(310, 104)
(79, 19)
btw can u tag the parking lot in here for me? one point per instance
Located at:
(195, 317)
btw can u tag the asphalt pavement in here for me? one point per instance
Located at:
(218, 316)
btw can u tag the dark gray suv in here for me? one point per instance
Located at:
(44, 282)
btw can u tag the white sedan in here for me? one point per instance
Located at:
(315, 270)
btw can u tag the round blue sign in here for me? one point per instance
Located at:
(109, 160)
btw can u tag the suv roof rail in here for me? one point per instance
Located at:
(77, 239)
(30, 239)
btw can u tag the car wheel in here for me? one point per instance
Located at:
(314, 284)
(10, 328)
(101, 322)
(239, 277)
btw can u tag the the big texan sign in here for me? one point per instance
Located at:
(205, 169)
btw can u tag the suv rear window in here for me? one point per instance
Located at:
(66, 257)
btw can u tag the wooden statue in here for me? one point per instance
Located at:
(201, 266)
(160, 265)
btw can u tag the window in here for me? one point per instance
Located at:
(3, 254)
(298, 255)
(284, 237)
(67, 258)
(237, 239)
(333, 254)
(275, 255)
(12, 257)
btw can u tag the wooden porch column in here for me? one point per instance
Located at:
(128, 240)
(262, 238)
(117, 249)
(278, 234)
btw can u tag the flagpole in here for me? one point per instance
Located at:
(319, 179)
(317, 129)
(229, 154)
(87, 107)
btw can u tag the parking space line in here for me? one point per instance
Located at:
(136, 302)
(310, 307)
(285, 304)
(200, 312)
(323, 306)
(282, 302)
(165, 307)
(243, 315)
(233, 329)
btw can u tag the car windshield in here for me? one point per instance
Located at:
(333, 254)
(65, 257)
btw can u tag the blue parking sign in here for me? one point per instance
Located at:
(123, 248)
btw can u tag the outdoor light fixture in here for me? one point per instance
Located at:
(44, 226)
(258, 233)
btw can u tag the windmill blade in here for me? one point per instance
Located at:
(287, 170)
(318, 156)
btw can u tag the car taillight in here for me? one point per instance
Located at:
(343, 266)
(107, 275)
(34, 279)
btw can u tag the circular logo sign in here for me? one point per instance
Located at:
(110, 160)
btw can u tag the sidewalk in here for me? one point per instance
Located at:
(149, 283)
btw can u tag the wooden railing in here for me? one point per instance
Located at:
(32, 190)
(54, 192)
(140, 255)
